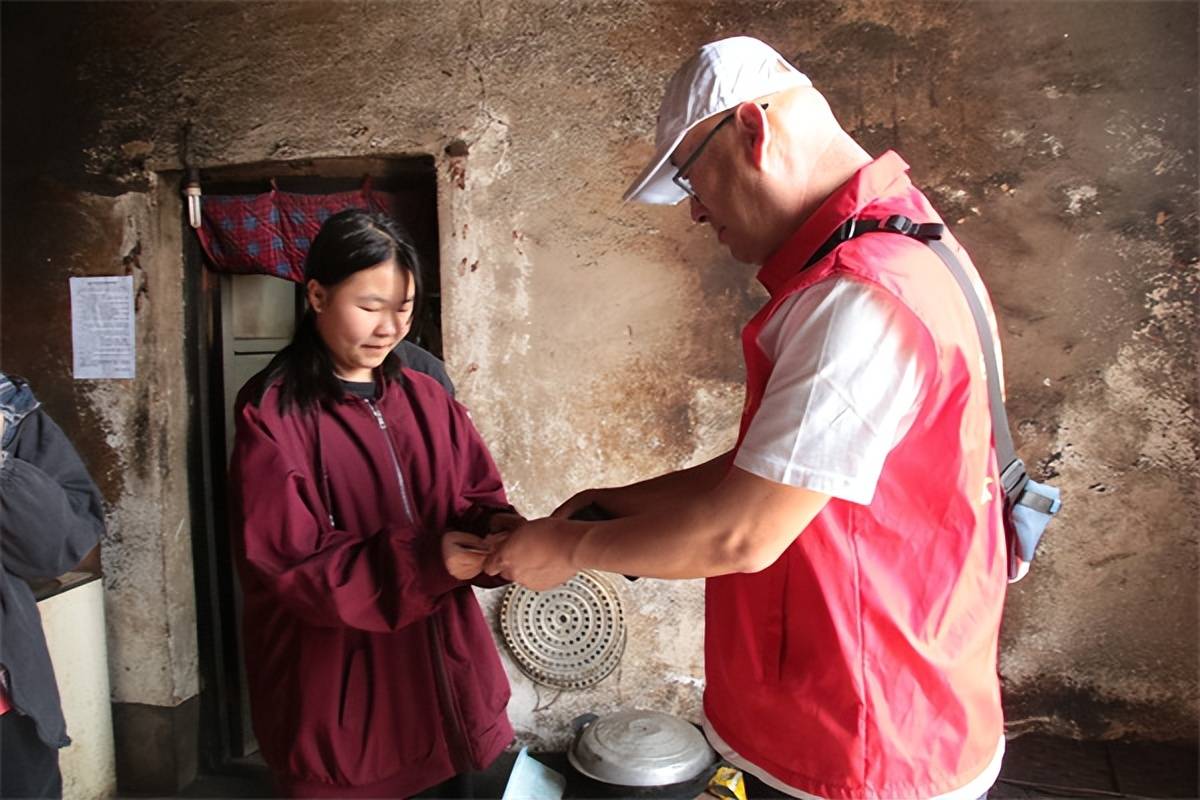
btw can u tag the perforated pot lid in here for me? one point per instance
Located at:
(640, 748)
(570, 637)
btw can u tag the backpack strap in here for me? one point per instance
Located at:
(1012, 469)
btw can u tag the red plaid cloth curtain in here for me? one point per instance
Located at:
(269, 234)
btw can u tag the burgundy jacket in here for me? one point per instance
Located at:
(371, 670)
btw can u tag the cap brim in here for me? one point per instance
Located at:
(655, 184)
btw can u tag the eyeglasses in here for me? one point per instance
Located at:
(681, 179)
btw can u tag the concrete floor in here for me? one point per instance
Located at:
(1036, 766)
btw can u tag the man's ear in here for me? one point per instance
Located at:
(317, 295)
(755, 133)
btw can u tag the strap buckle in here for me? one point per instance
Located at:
(898, 223)
(1013, 478)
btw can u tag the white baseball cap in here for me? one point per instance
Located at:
(718, 77)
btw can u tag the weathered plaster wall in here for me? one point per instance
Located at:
(597, 343)
(131, 433)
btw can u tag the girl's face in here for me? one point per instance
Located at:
(362, 318)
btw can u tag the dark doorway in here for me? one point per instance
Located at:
(236, 323)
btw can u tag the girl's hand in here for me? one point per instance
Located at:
(464, 554)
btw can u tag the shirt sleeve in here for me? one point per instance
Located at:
(846, 381)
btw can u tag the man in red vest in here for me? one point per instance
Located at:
(852, 538)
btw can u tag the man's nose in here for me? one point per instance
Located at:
(699, 212)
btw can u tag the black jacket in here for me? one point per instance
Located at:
(416, 357)
(51, 516)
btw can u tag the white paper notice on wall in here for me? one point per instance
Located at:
(103, 327)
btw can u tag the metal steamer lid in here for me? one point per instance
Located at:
(571, 637)
(640, 748)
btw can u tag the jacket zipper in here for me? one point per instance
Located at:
(408, 512)
(461, 754)
(460, 744)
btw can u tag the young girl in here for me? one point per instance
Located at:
(361, 495)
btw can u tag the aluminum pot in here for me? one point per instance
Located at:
(642, 750)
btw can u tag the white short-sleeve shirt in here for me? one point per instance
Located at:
(843, 391)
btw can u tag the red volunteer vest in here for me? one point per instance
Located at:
(862, 663)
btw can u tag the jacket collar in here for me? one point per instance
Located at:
(878, 178)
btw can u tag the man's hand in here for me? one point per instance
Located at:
(464, 554)
(538, 555)
(3, 420)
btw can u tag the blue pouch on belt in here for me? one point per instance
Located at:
(1026, 519)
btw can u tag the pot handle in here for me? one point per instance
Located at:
(582, 721)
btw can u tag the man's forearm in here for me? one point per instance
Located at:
(655, 493)
(669, 541)
(741, 525)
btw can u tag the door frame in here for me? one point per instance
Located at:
(221, 739)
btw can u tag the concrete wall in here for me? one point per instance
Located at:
(131, 434)
(597, 343)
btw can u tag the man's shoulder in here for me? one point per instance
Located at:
(841, 287)
(842, 317)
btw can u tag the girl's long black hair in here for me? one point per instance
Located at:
(349, 241)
